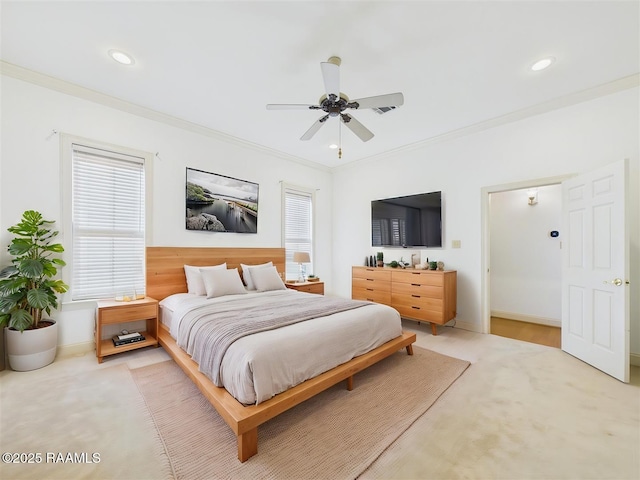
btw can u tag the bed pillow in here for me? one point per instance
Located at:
(195, 284)
(172, 302)
(246, 273)
(219, 282)
(266, 279)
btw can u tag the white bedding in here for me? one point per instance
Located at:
(259, 366)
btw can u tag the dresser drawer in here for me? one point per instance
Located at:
(417, 290)
(418, 277)
(420, 312)
(369, 283)
(371, 274)
(372, 295)
(127, 313)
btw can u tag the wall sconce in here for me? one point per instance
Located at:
(532, 194)
(300, 258)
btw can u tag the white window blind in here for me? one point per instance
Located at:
(298, 228)
(108, 223)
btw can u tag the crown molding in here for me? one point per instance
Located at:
(36, 78)
(624, 83)
(72, 89)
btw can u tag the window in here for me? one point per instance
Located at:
(298, 227)
(106, 221)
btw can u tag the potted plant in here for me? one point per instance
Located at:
(313, 278)
(28, 290)
(380, 259)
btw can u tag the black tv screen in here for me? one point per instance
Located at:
(409, 221)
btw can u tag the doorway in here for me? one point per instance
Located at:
(522, 261)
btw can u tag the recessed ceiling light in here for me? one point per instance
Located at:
(121, 57)
(333, 146)
(542, 64)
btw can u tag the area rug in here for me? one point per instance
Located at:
(334, 435)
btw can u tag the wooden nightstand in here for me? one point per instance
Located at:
(111, 312)
(309, 287)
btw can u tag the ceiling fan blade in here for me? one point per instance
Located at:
(314, 128)
(291, 106)
(331, 77)
(389, 100)
(362, 132)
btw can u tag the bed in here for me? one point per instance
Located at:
(167, 283)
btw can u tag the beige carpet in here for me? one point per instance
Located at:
(335, 435)
(82, 425)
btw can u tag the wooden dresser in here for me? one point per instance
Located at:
(421, 295)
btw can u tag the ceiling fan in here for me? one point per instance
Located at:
(334, 103)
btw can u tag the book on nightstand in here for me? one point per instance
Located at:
(129, 339)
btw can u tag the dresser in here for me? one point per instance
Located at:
(420, 295)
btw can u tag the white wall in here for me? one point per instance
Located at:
(526, 262)
(566, 141)
(30, 166)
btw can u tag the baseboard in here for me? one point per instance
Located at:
(75, 349)
(634, 359)
(461, 324)
(551, 322)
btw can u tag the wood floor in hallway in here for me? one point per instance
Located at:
(525, 331)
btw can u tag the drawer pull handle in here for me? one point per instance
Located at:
(415, 284)
(417, 308)
(415, 296)
(369, 289)
(415, 273)
(370, 299)
(369, 279)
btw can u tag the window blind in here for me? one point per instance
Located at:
(108, 223)
(298, 228)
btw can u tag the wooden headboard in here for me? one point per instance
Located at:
(165, 265)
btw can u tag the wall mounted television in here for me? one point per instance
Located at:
(409, 221)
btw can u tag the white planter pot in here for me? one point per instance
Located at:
(31, 349)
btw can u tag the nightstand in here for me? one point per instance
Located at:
(111, 312)
(309, 287)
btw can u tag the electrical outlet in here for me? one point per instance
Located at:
(456, 244)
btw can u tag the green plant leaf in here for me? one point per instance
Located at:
(9, 302)
(58, 285)
(56, 247)
(38, 298)
(12, 285)
(31, 267)
(48, 269)
(20, 246)
(20, 320)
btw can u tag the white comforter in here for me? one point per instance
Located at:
(259, 366)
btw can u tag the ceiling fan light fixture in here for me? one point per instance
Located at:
(121, 57)
(543, 63)
(333, 146)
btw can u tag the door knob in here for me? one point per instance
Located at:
(616, 281)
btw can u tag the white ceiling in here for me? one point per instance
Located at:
(217, 64)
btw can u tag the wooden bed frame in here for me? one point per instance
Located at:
(165, 276)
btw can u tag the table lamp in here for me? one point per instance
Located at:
(300, 258)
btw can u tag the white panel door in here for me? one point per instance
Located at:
(595, 292)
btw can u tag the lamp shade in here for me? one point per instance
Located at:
(301, 257)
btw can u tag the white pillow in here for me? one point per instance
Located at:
(246, 273)
(172, 302)
(221, 282)
(195, 284)
(267, 278)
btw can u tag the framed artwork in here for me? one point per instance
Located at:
(216, 203)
